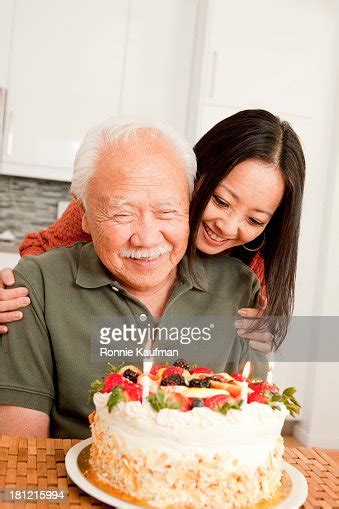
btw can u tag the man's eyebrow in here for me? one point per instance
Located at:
(236, 197)
(167, 204)
(113, 202)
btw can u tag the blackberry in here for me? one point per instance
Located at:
(200, 382)
(197, 402)
(131, 375)
(182, 364)
(173, 380)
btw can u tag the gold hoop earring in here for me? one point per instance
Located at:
(257, 248)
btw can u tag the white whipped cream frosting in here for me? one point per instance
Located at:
(248, 435)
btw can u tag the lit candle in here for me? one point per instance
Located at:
(244, 387)
(270, 372)
(147, 366)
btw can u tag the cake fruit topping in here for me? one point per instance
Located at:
(215, 402)
(182, 364)
(257, 397)
(175, 387)
(171, 400)
(201, 369)
(173, 380)
(200, 382)
(156, 368)
(197, 402)
(131, 375)
(112, 381)
(262, 386)
(172, 370)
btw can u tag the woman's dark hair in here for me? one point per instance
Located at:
(257, 134)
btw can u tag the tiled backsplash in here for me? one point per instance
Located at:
(29, 204)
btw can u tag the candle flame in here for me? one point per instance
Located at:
(247, 369)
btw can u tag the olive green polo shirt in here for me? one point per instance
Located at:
(48, 359)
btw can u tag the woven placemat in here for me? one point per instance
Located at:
(40, 463)
(322, 475)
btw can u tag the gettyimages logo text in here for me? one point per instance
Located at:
(150, 333)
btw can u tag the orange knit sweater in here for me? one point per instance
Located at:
(67, 230)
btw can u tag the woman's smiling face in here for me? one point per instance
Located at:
(241, 206)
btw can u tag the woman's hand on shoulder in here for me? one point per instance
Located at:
(259, 340)
(11, 299)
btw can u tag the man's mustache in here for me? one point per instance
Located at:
(152, 252)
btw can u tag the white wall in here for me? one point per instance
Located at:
(320, 423)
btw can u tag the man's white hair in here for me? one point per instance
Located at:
(109, 132)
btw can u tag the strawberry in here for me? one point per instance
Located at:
(156, 368)
(112, 381)
(215, 402)
(134, 391)
(257, 397)
(201, 369)
(172, 370)
(176, 398)
(238, 377)
(262, 386)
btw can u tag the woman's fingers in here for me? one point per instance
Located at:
(261, 336)
(12, 293)
(262, 301)
(10, 317)
(13, 304)
(262, 347)
(7, 277)
(251, 312)
(11, 300)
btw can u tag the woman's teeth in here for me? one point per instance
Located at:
(212, 235)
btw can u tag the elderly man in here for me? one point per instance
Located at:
(134, 182)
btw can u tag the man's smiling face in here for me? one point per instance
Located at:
(137, 211)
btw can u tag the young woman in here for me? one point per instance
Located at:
(246, 203)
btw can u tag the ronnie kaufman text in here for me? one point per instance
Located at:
(138, 352)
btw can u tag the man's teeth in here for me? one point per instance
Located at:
(145, 257)
(213, 236)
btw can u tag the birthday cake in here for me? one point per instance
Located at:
(188, 438)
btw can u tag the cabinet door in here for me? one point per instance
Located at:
(6, 14)
(158, 60)
(271, 53)
(66, 68)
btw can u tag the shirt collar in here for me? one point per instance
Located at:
(92, 273)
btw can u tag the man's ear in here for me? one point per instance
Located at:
(84, 224)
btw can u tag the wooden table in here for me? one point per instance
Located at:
(39, 463)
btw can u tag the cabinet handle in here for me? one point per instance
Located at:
(213, 73)
(9, 135)
(2, 114)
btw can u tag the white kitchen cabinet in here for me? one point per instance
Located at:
(65, 76)
(6, 14)
(73, 64)
(159, 53)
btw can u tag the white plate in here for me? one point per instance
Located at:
(295, 499)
